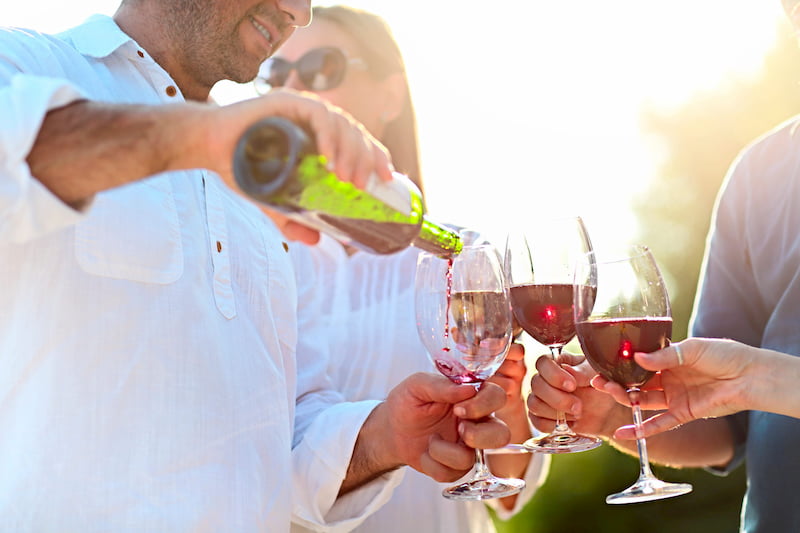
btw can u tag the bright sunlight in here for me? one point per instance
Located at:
(535, 107)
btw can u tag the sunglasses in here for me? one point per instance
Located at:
(319, 69)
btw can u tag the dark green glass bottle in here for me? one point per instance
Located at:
(276, 163)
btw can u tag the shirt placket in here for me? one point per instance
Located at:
(220, 255)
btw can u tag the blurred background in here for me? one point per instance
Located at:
(627, 113)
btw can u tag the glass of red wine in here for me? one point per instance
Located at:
(464, 320)
(540, 264)
(622, 307)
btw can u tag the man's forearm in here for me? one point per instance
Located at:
(87, 147)
(369, 460)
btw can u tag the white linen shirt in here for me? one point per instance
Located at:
(151, 375)
(369, 307)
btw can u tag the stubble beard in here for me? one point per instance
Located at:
(208, 48)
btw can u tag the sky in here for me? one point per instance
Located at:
(527, 108)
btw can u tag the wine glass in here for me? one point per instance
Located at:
(464, 320)
(540, 265)
(622, 307)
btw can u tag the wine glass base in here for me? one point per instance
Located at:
(484, 489)
(509, 449)
(562, 443)
(649, 489)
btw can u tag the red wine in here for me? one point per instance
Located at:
(545, 311)
(448, 291)
(609, 346)
(456, 372)
(480, 333)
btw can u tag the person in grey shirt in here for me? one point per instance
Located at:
(749, 292)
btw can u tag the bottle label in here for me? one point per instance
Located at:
(393, 193)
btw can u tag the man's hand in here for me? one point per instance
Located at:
(352, 152)
(430, 424)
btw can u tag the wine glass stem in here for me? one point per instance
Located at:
(641, 445)
(481, 470)
(561, 419)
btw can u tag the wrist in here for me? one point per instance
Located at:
(770, 390)
(191, 139)
(375, 452)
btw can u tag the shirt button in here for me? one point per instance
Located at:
(139, 53)
(171, 90)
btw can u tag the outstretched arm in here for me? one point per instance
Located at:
(706, 378)
(118, 144)
(567, 387)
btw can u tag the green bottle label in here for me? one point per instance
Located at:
(317, 189)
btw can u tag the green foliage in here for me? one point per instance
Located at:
(698, 141)
(573, 499)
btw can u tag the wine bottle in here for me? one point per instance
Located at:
(275, 163)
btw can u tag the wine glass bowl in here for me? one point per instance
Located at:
(622, 307)
(464, 320)
(539, 263)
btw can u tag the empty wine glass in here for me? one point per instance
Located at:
(540, 266)
(622, 307)
(464, 320)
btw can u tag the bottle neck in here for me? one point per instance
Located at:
(437, 239)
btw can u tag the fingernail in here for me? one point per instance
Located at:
(330, 165)
(569, 386)
(461, 428)
(459, 412)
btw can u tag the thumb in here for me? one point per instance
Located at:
(666, 358)
(427, 387)
(652, 426)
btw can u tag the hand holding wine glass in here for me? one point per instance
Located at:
(709, 378)
(621, 307)
(539, 263)
(464, 321)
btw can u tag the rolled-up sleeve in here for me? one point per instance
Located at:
(326, 427)
(33, 81)
(320, 465)
(27, 208)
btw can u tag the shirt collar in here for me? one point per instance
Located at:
(98, 37)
